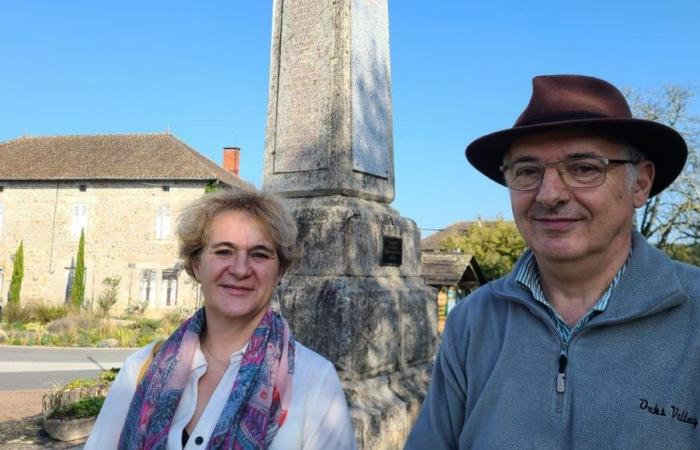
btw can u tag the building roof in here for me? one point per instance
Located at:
(432, 242)
(158, 156)
(451, 269)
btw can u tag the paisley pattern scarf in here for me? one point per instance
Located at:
(256, 407)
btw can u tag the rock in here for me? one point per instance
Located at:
(111, 342)
(69, 429)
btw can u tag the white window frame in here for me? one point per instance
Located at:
(80, 219)
(168, 279)
(148, 283)
(163, 222)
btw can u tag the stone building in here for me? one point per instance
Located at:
(124, 191)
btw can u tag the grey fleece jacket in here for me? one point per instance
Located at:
(503, 378)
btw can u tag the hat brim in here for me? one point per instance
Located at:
(659, 143)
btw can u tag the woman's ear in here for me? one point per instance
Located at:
(195, 271)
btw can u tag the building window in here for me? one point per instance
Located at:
(147, 289)
(80, 215)
(166, 188)
(2, 217)
(82, 187)
(163, 222)
(168, 287)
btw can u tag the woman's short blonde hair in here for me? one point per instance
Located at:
(194, 222)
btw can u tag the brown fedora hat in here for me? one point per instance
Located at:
(576, 102)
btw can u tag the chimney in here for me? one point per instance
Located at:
(232, 159)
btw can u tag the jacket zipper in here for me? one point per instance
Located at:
(561, 379)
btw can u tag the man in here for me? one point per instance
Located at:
(593, 340)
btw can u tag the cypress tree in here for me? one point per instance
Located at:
(17, 275)
(77, 294)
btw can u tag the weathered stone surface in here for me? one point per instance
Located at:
(329, 113)
(342, 236)
(69, 429)
(384, 408)
(366, 326)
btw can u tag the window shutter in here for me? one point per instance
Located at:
(159, 224)
(166, 222)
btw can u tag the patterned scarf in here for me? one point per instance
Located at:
(255, 409)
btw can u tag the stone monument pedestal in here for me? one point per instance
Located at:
(357, 296)
(374, 321)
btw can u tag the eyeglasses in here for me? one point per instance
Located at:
(579, 172)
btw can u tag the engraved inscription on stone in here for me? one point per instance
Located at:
(371, 95)
(303, 96)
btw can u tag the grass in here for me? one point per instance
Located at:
(48, 325)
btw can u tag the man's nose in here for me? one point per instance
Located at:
(552, 191)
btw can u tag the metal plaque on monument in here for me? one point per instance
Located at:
(357, 296)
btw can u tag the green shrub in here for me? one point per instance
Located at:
(177, 315)
(14, 313)
(17, 275)
(85, 407)
(135, 309)
(108, 297)
(147, 325)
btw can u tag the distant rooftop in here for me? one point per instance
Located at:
(158, 156)
(432, 242)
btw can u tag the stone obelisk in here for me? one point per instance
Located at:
(357, 296)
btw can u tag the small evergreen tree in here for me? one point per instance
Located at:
(17, 275)
(77, 294)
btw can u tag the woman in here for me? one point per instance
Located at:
(232, 375)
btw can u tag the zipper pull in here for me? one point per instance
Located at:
(561, 377)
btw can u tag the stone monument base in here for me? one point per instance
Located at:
(384, 408)
(376, 322)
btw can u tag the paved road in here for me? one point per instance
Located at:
(45, 367)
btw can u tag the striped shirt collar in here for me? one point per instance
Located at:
(528, 276)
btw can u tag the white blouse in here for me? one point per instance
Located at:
(318, 415)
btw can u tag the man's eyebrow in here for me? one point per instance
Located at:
(524, 158)
(583, 155)
(577, 155)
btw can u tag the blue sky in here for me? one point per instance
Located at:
(460, 69)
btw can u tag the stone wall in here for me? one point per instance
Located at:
(120, 237)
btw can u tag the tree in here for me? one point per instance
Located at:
(17, 275)
(108, 297)
(77, 293)
(496, 245)
(672, 217)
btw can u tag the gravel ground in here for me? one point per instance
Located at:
(20, 423)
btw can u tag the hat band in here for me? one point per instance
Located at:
(561, 117)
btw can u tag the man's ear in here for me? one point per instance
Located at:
(645, 178)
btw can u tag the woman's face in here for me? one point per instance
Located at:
(238, 268)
